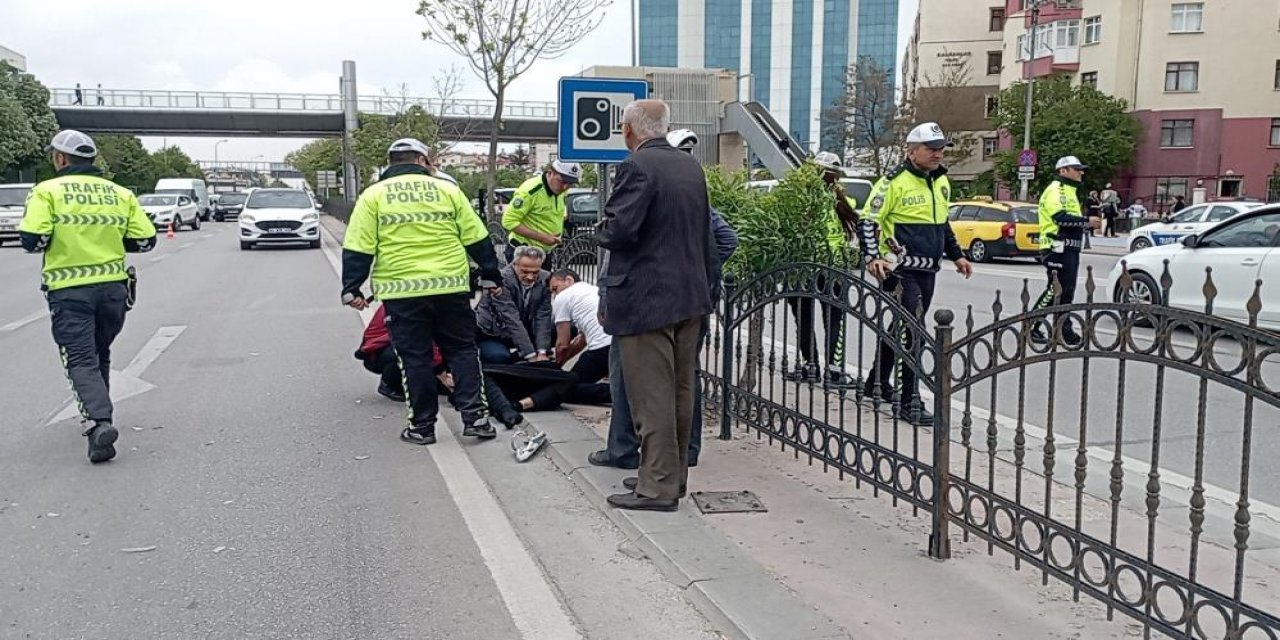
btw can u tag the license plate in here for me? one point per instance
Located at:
(279, 230)
(7, 227)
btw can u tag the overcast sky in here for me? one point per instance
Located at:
(286, 46)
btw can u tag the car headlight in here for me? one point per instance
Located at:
(310, 217)
(246, 217)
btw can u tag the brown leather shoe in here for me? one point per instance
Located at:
(640, 503)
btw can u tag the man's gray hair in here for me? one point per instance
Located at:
(648, 118)
(533, 253)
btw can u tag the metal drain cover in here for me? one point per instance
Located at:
(727, 501)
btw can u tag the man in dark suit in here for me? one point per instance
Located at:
(655, 227)
(516, 323)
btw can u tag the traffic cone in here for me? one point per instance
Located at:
(170, 233)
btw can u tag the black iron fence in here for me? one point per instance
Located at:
(1125, 464)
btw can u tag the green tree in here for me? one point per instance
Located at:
(124, 160)
(1066, 120)
(324, 154)
(172, 162)
(26, 121)
(590, 176)
(376, 133)
(866, 117)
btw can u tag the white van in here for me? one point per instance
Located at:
(192, 188)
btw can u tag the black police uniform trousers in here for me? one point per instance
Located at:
(1065, 267)
(387, 366)
(448, 321)
(832, 326)
(86, 320)
(917, 296)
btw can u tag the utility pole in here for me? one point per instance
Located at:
(215, 152)
(1034, 6)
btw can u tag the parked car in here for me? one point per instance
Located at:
(1241, 250)
(166, 209)
(229, 206)
(192, 188)
(986, 229)
(13, 201)
(858, 188)
(1193, 219)
(582, 210)
(278, 216)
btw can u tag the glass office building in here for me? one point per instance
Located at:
(793, 52)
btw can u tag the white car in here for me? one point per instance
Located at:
(279, 216)
(166, 209)
(1241, 251)
(13, 201)
(1193, 219)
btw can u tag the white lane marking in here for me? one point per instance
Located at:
(127, 383)
(185, 245)
(20, 323)
(159, 258)
(533, 606)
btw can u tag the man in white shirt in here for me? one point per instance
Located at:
(576, 305)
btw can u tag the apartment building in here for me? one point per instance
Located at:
(1202, 77)
(15, 59)
(952, 68)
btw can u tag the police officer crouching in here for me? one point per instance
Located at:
(84, 224)
(908, 213)
(1062, 229)
(414, 232)
(536, 215)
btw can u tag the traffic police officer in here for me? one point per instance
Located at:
(905, 236)
(840, 225)
(415, 231)
(1062, 229)
(536, 214)
(84, 224)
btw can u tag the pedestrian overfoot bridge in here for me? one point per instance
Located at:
(286, 115)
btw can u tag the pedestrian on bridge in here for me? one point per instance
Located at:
(1062, 229)
(414, 232)
(536, 214)
(905, 235)
(84, 224)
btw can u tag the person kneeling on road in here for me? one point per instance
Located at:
(413, 233)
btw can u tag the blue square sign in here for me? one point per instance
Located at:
(590, 128)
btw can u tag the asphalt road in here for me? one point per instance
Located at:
(261, 492)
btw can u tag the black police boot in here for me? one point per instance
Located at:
(102, 439)
(913, 412)
(804, 372)
(837, 379)
(385, 390)
(481, 428)
(1070, 337)
(419, 435)
(1038, 335)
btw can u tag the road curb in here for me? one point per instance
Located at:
(733, 591)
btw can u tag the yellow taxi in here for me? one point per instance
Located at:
(988, 229)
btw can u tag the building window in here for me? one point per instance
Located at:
(1093, 30)
(1168, 188)
(997, 19)
(1188, 17)
(1176, 133)
(989, 147)
(995, 60)
(1277, 75)
(991, 106)
(1089, 79)
(1275, 132)
(1182, 76)
(1023, 51)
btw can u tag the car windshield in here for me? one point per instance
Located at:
(278, 200)
(589, 203)
(1026, 215)
(861, 191)
(232, 198)
(158, 201)
(13, 196)
(1187, 215)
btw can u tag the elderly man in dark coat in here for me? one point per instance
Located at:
(655, 227)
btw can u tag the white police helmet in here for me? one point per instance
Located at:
(828, 161)
(683, 139)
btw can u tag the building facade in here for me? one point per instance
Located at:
(1202, 77)
(13, 58)
(791, 54)
(951, 74)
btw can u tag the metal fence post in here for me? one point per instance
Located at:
(939, 538)
(726, 354)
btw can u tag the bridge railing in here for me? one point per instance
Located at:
(220, 100)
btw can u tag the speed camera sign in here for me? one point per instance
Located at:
(590, 127)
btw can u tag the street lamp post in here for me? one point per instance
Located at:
(215, 152)
(1034, 5)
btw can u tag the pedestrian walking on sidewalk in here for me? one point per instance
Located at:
(905, 235)
(1137, 215)
(656, 227)
(623, 446)
(83, 224)
(1093, 206)
(1061, 241)
(413, 233)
